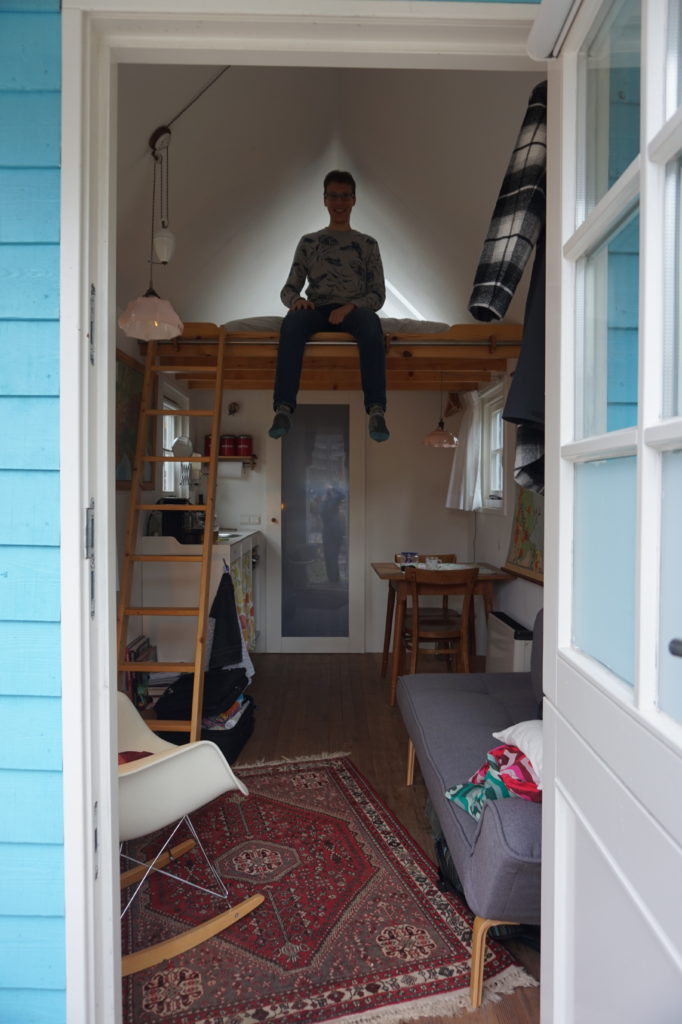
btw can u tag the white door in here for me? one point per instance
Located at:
(315, 528)
(612, 853)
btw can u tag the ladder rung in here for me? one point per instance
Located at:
(161, 611)
(165, 558)
(156, 666)
(171, 508)
(174, 412)
(169, 725)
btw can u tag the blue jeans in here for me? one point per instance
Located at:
(298, 325)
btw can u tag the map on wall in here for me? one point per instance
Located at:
(526, 544)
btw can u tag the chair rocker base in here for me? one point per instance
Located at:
(153, 955)
(133, 875)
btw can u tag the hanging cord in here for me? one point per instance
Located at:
(151, 227)
(165, 194)
(158, 142)
(199, 94)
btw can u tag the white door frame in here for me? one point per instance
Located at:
(97, 35)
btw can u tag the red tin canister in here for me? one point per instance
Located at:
(245, 444)
(228, 444)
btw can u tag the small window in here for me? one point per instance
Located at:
(492, 448)
(175, 475)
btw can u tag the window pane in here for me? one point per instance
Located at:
(612, 98)
(170, 432)
(606, 390)
(315, 523)
(670, 676)
(604, 563)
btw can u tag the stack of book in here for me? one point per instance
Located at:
(137, 682)
(156, 685)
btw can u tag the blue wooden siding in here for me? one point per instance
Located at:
(32, 977)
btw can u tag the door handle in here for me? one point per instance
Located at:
(675, 647)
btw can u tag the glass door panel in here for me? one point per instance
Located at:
(607, 372)
(612, 85)
(315, 471)
(604, 563)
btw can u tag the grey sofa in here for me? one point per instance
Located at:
(450, 718)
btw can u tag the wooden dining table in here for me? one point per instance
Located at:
(488, 575)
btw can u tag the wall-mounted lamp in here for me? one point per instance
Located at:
(150, 317)
(440, 437)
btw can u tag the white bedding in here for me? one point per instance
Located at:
(389, 324)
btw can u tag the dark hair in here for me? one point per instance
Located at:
(342, 177)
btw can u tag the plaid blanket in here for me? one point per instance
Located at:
(518, 217)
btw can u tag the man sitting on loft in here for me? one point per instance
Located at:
(345, 289)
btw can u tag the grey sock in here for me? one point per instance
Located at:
(376, 425)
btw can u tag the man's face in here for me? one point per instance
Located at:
(339, 200)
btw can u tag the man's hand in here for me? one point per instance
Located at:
(301, 304)
(338, 315)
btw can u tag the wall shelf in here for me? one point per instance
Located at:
(246, 460)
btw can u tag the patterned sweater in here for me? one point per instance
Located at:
(518, 217)
(341, 266)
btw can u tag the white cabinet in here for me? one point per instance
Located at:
(174, 585)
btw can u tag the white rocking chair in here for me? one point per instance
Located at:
(155, 791)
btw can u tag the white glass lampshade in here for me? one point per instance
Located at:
(150, 318)
(164, 244)
(441, 438)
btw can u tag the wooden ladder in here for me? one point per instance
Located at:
(154, 366)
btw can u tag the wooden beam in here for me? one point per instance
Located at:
(464, 357)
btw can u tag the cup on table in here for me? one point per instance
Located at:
(432, 562)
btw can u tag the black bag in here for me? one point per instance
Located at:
(221, 689)
(230, 741)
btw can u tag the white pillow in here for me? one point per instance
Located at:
(527, 736)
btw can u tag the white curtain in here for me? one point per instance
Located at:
(464, 489)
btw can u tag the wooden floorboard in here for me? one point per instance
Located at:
(308, 704)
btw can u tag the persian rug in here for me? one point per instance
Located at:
(353, 927)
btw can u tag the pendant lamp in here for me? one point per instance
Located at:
(440, 437)
(150, 317)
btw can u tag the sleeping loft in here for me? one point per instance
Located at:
(420, 355)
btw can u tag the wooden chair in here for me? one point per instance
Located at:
(444, 613)
(444, 637)
(428, 612)
(157, 790)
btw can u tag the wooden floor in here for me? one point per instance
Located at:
(309, 704)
